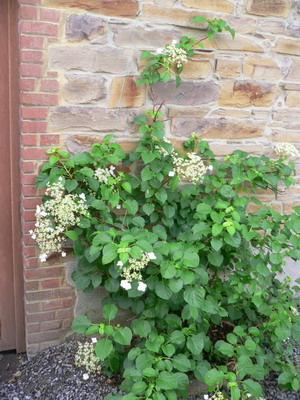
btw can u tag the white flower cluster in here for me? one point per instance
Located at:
(103, 174)
(55, 216)
(216, 396)
(133, 271)
(85, 357)
(286, 150)
(175, 54)
(191, 168)
(294, 311)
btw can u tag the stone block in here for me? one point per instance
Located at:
(292, 86)
(92, 59)
(225, 42)
(213, 128)
(113, 8)
(231, 113)
(187, 112)
(171, 16)
(84, 89)
(228, 68)
(196, 69)
(223, 6)
(84, 26)
(247, 93)
(277, 8)
(124, 92)
(261, 68)
(287, 46)
(143, 38)
(188, 94)
(241, 24)
(271, 26)
(287, 118)
(87, 119)
(294, 72)
(226, 149)
(293, 100)
(283, 135)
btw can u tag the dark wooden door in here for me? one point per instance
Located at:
(11, 309)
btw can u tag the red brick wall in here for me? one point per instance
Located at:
(49, 300)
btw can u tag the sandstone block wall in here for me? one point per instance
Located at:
(77, 57)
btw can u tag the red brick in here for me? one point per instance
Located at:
(28, 179)
(29, 191)
(31, 203)
(50, 283)
(33, 328)
(27, 166)
(31, 286)
(31, 263)
(49, 272)
(34, 126)
(49, 15)
(34, 113)
(62, 314)
(47, 295)
(67, 323)
(50, 325)
(43, 316)
(32, 42)
(40, 28)
(52, 74)
(49, 140)
(27, 84)
(68, 302)
(27, 240)
(49, 85)
(39, 99)
(28, 140)
(32, 308)
(51, 305)
(43, 336)
(32, 56)
(33, 153)
(31, 70)
(29, 251)
(28, 12)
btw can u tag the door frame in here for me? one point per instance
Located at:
(15, 167)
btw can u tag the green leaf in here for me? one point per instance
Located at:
(70, 185)
(141, 328)
(190, 258)
(149, 372)
(182, 363)
(161, 195)
(195, 344)
(131, 206)
(204, 208)
(214, 377)
(194, 295)
(225, 348)
(148, 208)
(126, 186)
(166, 381)
(215, 259)
(109, 311)
(163, 291)
(109, 253)
(81, 324)
(285, 378)
(139, 387)
(216, 243)
(142, 119)
(168, 349)
(216, 229)
(103, 348)
(42, 180)
(252, 387)
(123, 336)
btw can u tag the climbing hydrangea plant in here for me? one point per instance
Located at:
(172, 243)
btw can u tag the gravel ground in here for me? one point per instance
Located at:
(51, 375)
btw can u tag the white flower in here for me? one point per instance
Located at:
(38, 209)
(31, 232)
(37, 224)
(142, 287)
(85, 377)
(159, 50)
(82, 196)
(171, 173)
(206, 397)
(63, 254)
(33, 236)
(286, 150)
(152, 256)
(118, 207)
(120, 264)
(43, 257)
(125, 284)
(210, 168)
(94, 340)
(43, 214)
(60, 178)
(174, 41)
